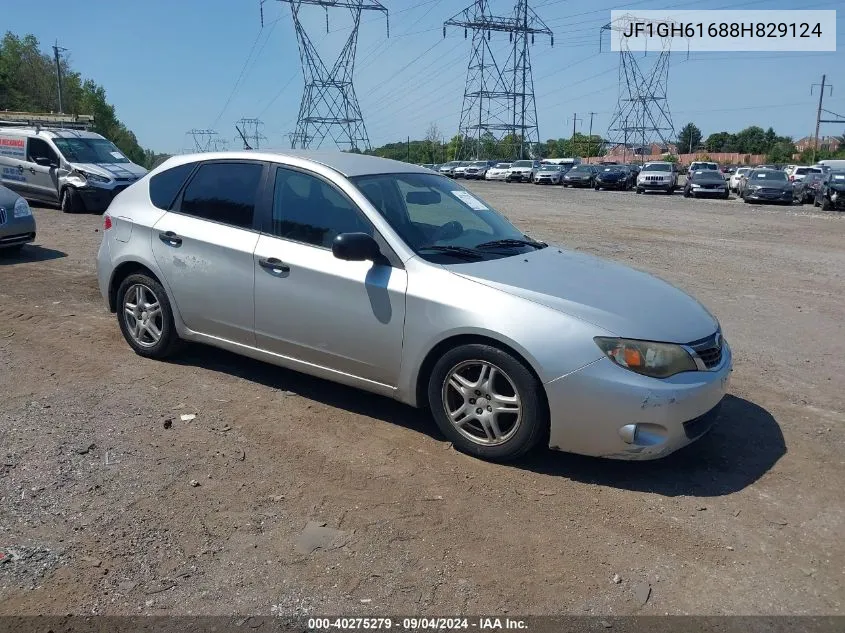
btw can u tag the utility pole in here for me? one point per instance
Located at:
(249, 129)
(329, 106)
(409, 149)
(590, 136)
(56, 49)
(819, 112)
(499, 98)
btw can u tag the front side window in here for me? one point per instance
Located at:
(223, 192)
(90, 150)
(310, 210)
(38, 148)
(433, 214)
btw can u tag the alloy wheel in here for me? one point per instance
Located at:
(142, 315)
(482, 402)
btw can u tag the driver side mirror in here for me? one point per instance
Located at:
(43, 161)
(356, 247)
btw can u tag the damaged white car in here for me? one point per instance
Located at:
(77, 170)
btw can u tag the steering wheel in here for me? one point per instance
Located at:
(448, 231)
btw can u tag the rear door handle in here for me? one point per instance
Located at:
(169, 237)
(274, 265)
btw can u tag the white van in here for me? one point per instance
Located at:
(80, 171)
(835, 164)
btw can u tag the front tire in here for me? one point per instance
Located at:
(145, 317)
(70, 201)
(487, 403)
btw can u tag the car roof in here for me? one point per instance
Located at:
(345, 163)
(49, 132)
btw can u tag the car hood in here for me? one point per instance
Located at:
(621, 300)
(112, 170)
(772, 184)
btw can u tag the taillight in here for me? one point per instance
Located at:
(106, 222)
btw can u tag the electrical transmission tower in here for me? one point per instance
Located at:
(329, 105)
(206, 141)
(642, 115)
(250, 132)
(499, 99)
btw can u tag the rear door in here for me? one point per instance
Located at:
(205, 246)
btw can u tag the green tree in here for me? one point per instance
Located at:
(720, 142)
(28, 84)
(689, 138)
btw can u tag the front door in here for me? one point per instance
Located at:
(42, 165)
(205, 245)
(311, 306)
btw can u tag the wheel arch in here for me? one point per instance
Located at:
(121, 272)
(456, 340)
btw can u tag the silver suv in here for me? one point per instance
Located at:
(80, 171)
(387, 277)
(658, 176)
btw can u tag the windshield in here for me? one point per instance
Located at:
(550, 168)
(89, 150)
(523, 163)
(769, 174)
(428, 210)
(706, 174)
(503, 165)
(704, 166)
(838, 176)
(657, 167)
(579, 169)
(480, 163)
(743, 170)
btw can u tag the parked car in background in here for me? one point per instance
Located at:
(831, 194)
(801, 171)
(549, 175)
(807, 188)
(768, 185)
(697, 165)
(737, 177)
(657, 176)
(477, 170)
(499, 171)
(580, 176)
(253, 252)
(565, 163)
(448, 169)
(614, 177)
(523, 170)
(706, 182)
(17, 224)
(460, 169)
(79, 171)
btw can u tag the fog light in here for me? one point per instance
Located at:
(629, 433)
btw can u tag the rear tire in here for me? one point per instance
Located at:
(825, 204)
(146, 318)
(639, 190)
(457, 384)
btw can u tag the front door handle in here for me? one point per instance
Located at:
(32, 170)
(274, 265)
(169, 237)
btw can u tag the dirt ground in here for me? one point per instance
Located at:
(99, 514)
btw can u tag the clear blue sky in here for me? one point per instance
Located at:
(172, 66)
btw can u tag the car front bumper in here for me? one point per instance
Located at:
(721, 191)
(546, 180)
(592, 409)
(519, 177)
(97, 199)
(586, 182)
(611, 184)
(756, 196)
(654, 184)
(15, 231)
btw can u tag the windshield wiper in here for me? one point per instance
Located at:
(457, 251)
(511, 242)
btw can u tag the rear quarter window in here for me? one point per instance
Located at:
(165, 186)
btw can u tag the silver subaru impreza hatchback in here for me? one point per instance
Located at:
(393, 279)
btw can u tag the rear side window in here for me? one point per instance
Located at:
(223, 192)
(165, 186)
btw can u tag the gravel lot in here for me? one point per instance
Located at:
(99, 514)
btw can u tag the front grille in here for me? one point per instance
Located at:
(770, 192)
(697, 427)
(709, 349)
(653, 178)
(2, 215)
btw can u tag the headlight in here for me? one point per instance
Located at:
(95, 177)
(658, 360)
(753, 187)
(22, 209)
